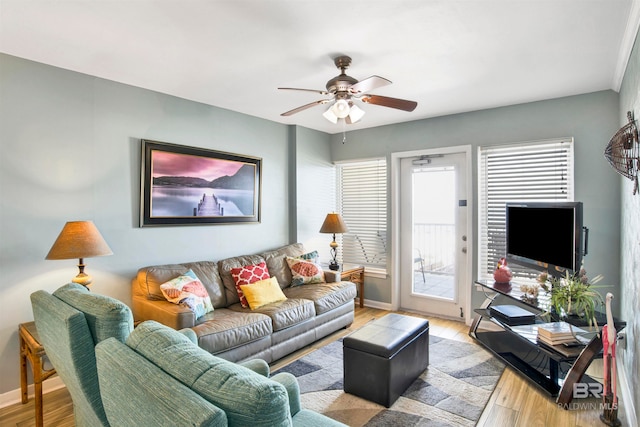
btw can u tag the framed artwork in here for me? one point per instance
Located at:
(187, 185)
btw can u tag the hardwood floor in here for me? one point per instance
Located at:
(513, 403)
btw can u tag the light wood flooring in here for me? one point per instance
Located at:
(513, 403)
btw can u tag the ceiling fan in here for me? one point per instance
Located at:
(344, 89)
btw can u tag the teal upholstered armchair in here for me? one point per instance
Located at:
(246, 397)
(154, 375)
(70, 322)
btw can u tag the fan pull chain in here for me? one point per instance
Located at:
(344, 132)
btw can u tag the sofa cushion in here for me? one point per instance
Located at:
(304, 272)
(246, 397)
(224, 329)
(325, 296)
(246, 275)
(277, 264)
(286, 313)
(262, 292)
(150, 279)
(189, 291)
(107, 317)
(224, 269)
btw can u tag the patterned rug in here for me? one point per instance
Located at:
(453, 391)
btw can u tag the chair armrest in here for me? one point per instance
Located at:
(191, 334)
(172, 315)
(258, 366)
(290, 383)
(137, 392)
(331, 276)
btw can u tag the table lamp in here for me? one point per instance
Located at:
(79, 239)
(333, 224)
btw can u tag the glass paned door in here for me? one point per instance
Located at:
(434, 226)
(433, 244)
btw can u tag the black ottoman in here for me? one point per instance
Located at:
(385, 356)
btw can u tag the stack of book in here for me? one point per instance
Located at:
(558, 333)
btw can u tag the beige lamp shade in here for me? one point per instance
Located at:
(333, 224)
(79, 239)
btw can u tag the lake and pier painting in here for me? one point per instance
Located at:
(185, 185)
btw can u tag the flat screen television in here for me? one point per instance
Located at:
(546, 236)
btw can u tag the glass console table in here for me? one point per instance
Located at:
(554, 369)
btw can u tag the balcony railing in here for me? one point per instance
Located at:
(435, 243)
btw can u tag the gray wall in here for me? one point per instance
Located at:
(315, 189)
(591, 119)
(629, 294)
(70, 149)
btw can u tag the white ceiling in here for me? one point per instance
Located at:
(450, 56)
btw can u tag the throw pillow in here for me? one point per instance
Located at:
(247, 275)
(189, 291)
(305, 272)
(263, 292)
(310, 256)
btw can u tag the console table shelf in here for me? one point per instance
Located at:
(554, 369)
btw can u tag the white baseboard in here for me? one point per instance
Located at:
(386, 306)
(15, 396)
(624, 391)
(377, 304)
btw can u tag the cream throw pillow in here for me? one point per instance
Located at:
(188, 290)
(304, 272)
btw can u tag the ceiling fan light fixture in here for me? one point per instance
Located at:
(341, 108)
(356, 113)
(329, 115)
(342, 89)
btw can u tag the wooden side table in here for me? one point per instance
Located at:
(30, 348)
(355, 274)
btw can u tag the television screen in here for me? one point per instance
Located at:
(545, 236)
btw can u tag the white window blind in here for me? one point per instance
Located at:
(529, 172)
(362, 202)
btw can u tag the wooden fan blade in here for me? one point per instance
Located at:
(385, 101)
(304, 107)
(321, 92)
(368, 84)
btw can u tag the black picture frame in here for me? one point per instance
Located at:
(182, 185)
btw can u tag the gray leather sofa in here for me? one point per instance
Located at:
(234, 333)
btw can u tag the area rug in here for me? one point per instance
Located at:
(453, 391)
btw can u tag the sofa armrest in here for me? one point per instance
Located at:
(258, 366)
(172, 315)
(331, 276)
(290, 383)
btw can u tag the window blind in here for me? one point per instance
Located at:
(541, 171)
(362, 202)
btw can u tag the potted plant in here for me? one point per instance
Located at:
(572, 295)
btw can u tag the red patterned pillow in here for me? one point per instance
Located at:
(247, 275)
